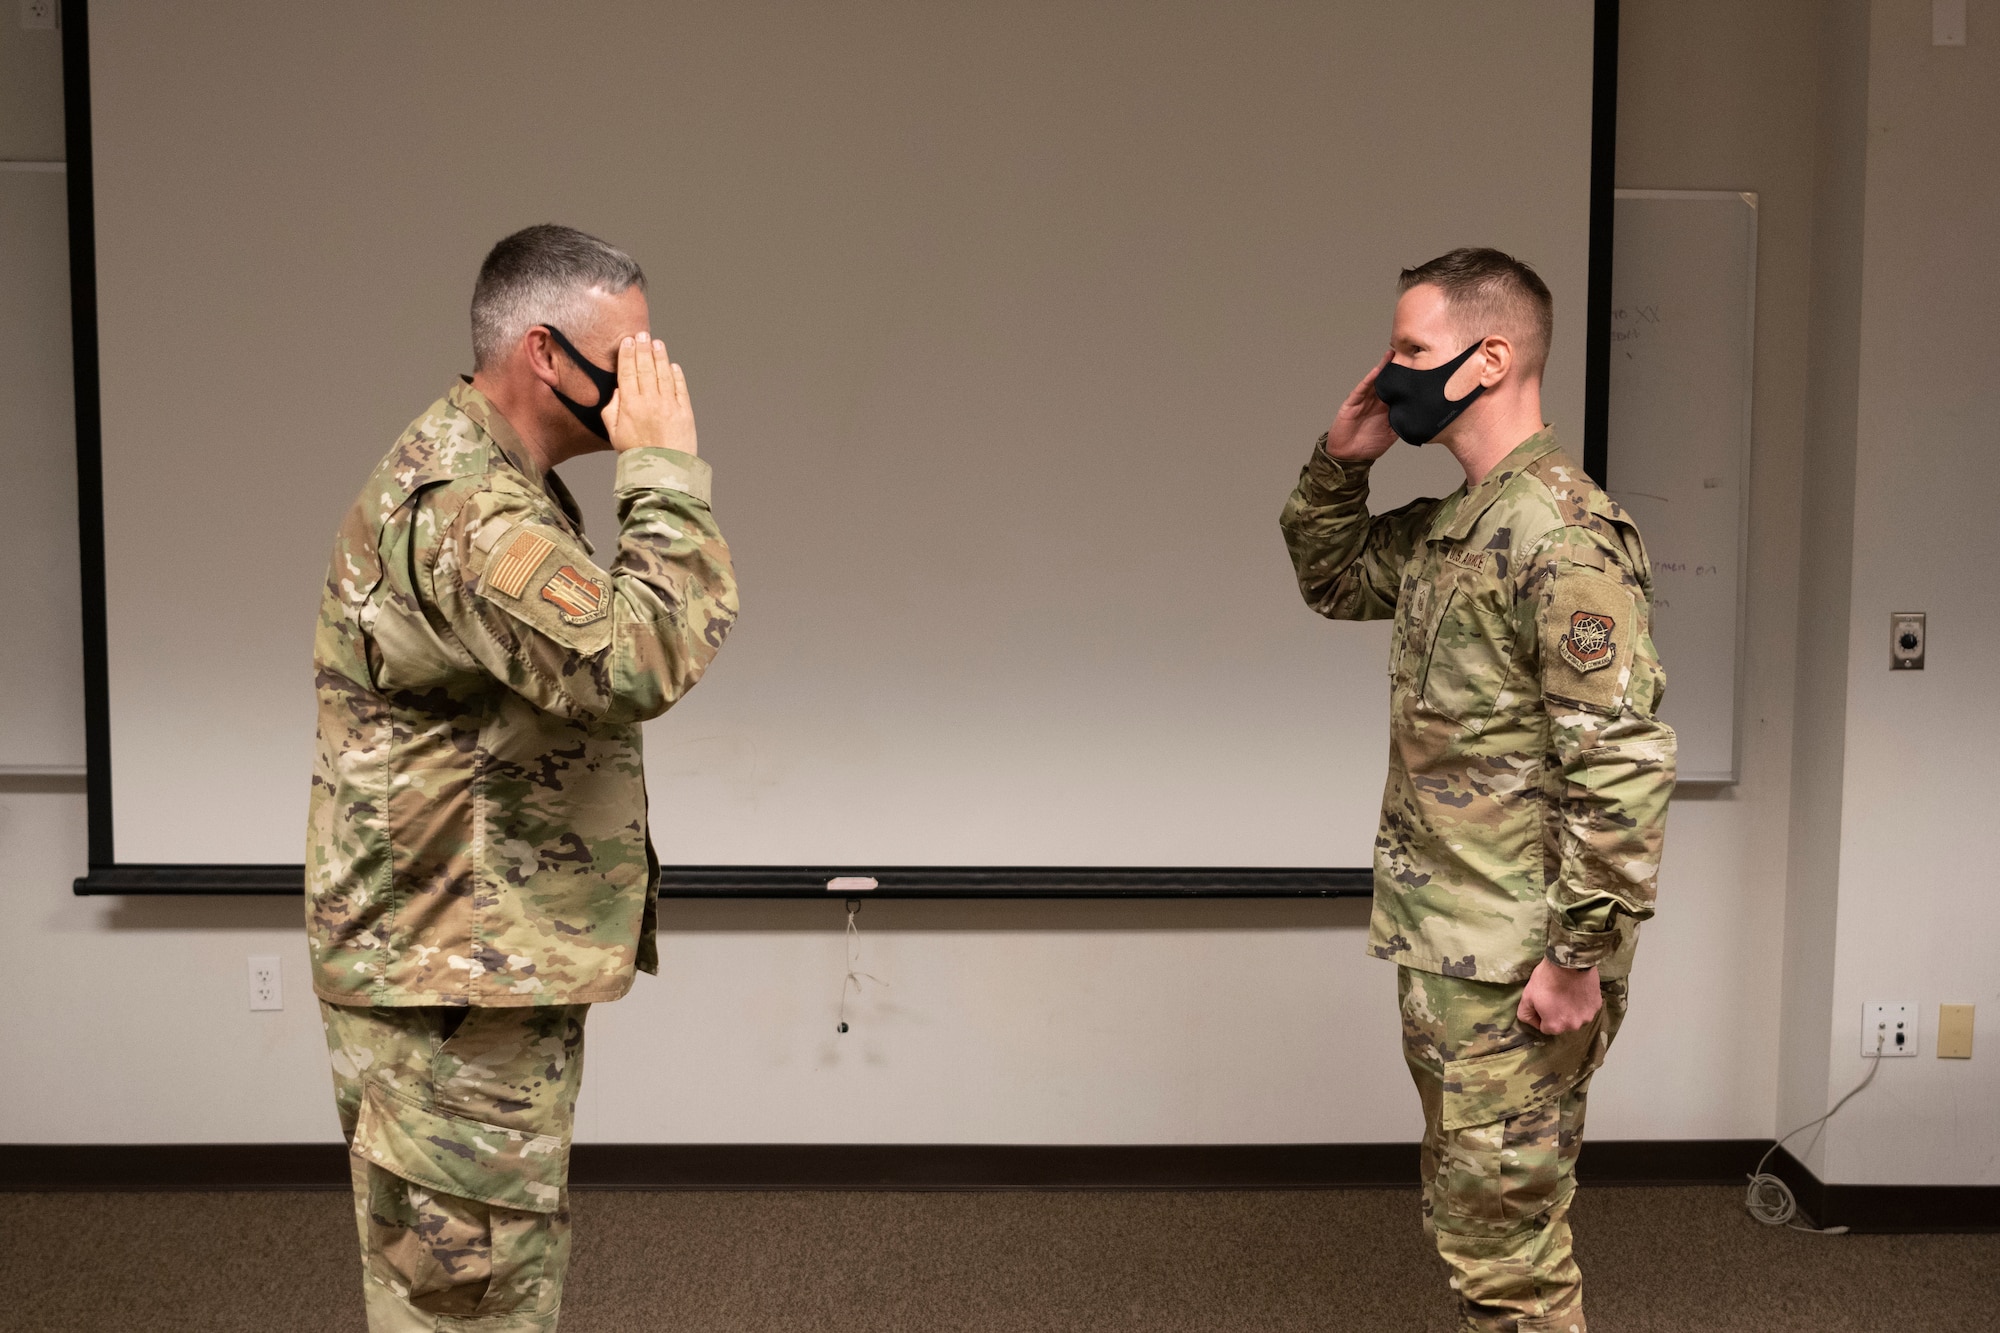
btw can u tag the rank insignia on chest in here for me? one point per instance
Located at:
(577, 599)
(1588, 644)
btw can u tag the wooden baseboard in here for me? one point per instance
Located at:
(227, 1166)
(1000, 1166)
(1888, 1208)
(172, 1166)
(995, 1166)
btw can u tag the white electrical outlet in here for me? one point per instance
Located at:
(267, 990)
(1892, 1024)
(38, 14)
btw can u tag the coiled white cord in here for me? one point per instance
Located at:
(855, 976)
(1770, 1199)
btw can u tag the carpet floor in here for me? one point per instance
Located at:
(1657, 1260)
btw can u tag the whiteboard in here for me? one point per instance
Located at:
(1683, 296)
(41, 728)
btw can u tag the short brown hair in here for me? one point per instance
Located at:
(1492, 292)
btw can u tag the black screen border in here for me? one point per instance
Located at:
(108, 875)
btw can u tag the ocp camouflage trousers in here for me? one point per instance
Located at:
(1503, 1123)
(458, 1123)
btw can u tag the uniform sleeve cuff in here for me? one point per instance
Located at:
(663, 470)
(1331, 474)
(1580, 949)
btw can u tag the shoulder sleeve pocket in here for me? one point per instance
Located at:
(1589, 629)
(542, 578)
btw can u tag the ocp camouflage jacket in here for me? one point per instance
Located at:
(477, 832)
(1528, 771)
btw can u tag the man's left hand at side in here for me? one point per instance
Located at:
(1560, 999)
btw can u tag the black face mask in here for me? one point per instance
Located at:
(592, 416)
(1418, 409)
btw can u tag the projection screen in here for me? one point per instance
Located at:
(1008, 327)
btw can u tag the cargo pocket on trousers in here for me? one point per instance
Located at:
(464, 1217)
(460, 1157)
(1501, 1158)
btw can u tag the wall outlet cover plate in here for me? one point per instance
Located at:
(1954, 1033)
(1906, 640)
(267, 989)
(1893, 1023)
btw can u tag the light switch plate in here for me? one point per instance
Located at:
(1907, 639)
(1954, 1039)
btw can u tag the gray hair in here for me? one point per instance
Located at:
(543, 275)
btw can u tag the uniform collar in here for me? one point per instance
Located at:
(1480, 498)
(480, 411)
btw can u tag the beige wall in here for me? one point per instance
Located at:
(1718, 95)
(1919, 895)
(1826, 499)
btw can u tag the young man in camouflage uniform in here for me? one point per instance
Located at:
(1528, 770)
(478, 868)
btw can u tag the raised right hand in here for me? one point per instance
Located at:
(651, 408)
(1360, 431)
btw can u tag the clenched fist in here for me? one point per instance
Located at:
(1558, 1000)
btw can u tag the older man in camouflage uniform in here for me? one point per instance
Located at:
(478, 866)
(1528, 771)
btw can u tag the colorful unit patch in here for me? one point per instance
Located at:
(1588, 644)
(511, 572)
(579, 600)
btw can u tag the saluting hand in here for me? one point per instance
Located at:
(1360, 431)
(650, 408)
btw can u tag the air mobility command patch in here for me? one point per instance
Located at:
(577, 599)
(1587, 636)
(1588, 645)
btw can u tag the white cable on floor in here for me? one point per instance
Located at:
(1770, 1199)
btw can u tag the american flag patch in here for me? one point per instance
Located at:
(511, 572)
(580, 600)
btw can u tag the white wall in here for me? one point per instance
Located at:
(1826, 500)
(1919, 892)
(1108, 1022)
(1718, 95)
